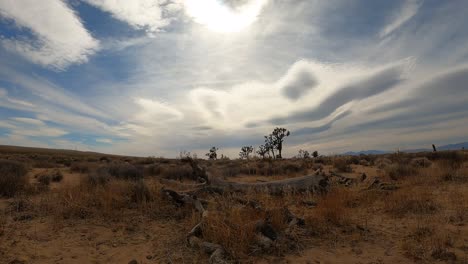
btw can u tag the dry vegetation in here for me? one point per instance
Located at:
(76, 207)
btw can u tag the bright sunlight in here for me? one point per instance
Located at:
(222, 18)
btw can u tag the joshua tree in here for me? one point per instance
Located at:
(262, 151)
(315, 154)
(303, 154)
(245, 152)
(278, 136)
(270, 145)
(212, 153)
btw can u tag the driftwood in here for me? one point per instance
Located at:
(376, 183)
(316, 183)
(265, 233)
(346, 181)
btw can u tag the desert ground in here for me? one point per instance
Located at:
(81, 207)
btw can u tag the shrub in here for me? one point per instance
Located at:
(139, 192)
(421, 162)
(417, 202)
(57, 176)
(382, 163)
(153, 170)
(125, 171)
(12, 177)
(44, 179)
(400, 170)
(177, 172)
(80, 167)
(100, 177)
(342, 165)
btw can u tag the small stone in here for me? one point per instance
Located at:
(133, 261)
(149, 257)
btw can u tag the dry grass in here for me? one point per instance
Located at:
(12, 177)
(419, 201)
(333, 210)
(425, 242)
(419, 217)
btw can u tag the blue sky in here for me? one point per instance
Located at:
(155, 77)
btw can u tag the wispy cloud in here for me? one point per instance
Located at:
(406, 12)
(149, 15)
(59, 38)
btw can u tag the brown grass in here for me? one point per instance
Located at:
(12, 177)
(419, 201)
(425, 217)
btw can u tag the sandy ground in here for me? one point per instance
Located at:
(37, 239)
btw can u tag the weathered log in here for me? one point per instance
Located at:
(180, 184)
(316, 183)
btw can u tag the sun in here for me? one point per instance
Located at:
(219, 17)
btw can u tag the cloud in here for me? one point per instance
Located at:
(224, 17)
(373, 84)
(31, 127)
(104, 140)
(49, 92)
(321, 128)
(140, 14)
(298, 81)
(9, 102)
(407, 11)
(59, 36)
(156, 112)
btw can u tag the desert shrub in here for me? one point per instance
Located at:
(364, 162)
(146, 161)
(153, 170)
(177, 172)
(57, 176)
(422, 162)
(125, 171)
(80, 167)
(426, 243)
(450, 159)
(99, 177)
(342, 165)
(47, 176)
(231, 170)
(291, 167)
(382, 163)
(44, 179)
(139, 192)
(235, 228)
(354, 160)
(400, 170)
(65, 162)
(416, 202)
(44, 164)
(12, 177)
(333, 208)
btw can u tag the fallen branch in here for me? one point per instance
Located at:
(316, 183)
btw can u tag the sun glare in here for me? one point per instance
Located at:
(219, 17)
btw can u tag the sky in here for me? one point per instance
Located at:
(157, 77)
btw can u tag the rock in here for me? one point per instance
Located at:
(149, 257)
(133, 261)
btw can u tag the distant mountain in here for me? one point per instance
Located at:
(366, 152)
(456, 146)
